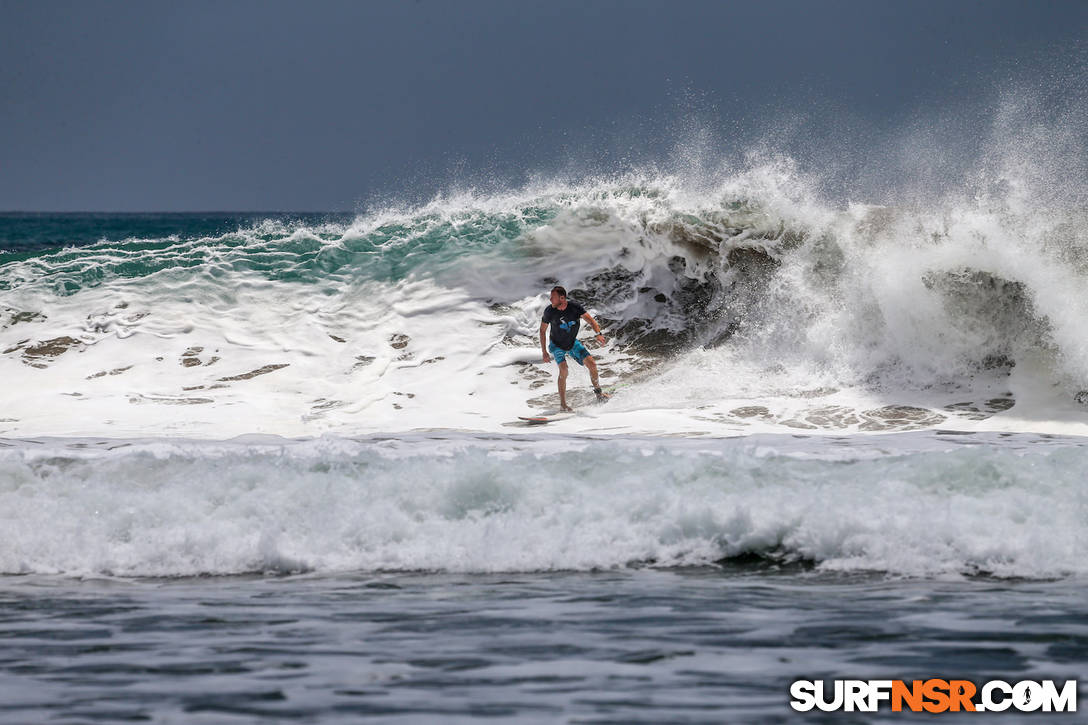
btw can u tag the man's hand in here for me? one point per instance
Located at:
(593, 324)
(547, 357)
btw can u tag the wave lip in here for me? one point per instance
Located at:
(172, 508)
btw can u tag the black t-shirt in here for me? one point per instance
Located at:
(564, 324)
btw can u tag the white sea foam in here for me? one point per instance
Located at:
(176, 508)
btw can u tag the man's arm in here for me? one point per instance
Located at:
(544, 341)
(593, 323)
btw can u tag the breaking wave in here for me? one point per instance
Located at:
(154, 508)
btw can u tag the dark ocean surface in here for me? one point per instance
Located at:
(695, 645)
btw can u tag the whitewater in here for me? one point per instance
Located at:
(749, 307)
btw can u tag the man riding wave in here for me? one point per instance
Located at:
(564, 316)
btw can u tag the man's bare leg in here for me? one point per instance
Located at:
(591, 365)
(563, 387)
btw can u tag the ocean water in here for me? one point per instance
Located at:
(698, 645)
(265, 466)
(530, 578)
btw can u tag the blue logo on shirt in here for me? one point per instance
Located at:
(565, 326)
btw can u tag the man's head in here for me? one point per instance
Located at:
(559, 296)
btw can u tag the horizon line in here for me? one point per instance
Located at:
(176, 211)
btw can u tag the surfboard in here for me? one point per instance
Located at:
(551, 416)
(545, 418)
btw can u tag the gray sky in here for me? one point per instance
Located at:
(328, 105)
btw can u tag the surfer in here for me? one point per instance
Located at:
(564, 317)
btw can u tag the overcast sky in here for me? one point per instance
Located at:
(271, 105)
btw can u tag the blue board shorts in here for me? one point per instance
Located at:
(578, 352)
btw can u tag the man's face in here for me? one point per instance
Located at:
(556, 299)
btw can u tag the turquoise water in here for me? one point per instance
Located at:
(22, 233)
(76, 251)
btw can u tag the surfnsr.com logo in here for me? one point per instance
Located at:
(933, 695)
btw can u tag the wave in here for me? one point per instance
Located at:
(160, 508)
(748, 292)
